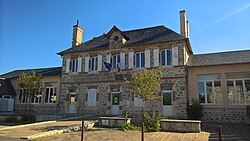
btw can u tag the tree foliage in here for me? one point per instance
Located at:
(146, 84)
(31, 83)
(30, 86)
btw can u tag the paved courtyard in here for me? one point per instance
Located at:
(234, 132)
(105, 134)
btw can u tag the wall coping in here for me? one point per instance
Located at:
(188, 121)
(114, 118)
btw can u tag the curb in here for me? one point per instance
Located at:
(69, 129)
(26, 125)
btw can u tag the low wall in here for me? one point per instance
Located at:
(180, 125)
(112, 121)
(230, 115)
(47, 117)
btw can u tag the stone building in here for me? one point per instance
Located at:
(87, 88)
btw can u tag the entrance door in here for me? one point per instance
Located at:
(115, 103)
(72, 103)
(167, 103)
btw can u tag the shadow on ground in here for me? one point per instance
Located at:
(230, 131)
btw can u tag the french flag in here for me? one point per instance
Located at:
(118, 67)
(107, 65)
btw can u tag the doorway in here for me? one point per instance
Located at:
(72, 103)
(115, 96)
(167, 102)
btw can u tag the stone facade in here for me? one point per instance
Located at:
(106, 82)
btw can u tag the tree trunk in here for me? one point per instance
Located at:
(142, 110)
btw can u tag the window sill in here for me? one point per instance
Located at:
(73, 73)
(166, 67)
(93, 72)
(139, 69)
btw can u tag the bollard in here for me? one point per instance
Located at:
(220, 133)
(82, 136)
(142, 131)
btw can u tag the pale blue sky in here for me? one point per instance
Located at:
(33, 31)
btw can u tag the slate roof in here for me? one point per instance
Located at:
(220, 58)
(6, 87)
(149, 35)
(39, 71)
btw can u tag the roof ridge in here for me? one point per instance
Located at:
(144, 28)
(37, 68)
(221, 52)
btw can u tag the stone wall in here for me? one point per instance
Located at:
(234, 115)
(37, 109)
(180, 125)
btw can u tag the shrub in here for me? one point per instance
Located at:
(152, 123)
(195, 111)
(10, 119)
(128, 126)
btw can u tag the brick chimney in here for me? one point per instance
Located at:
(77, 35)
(184, 25)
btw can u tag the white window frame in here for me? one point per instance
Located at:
(140, 59)
(166, 57)
(39, 100)
(74, 65)
(205, 91)
(49, 95)
(235, 93)
(10, 96)
(23, 97)
(115, 62)
(95, 64)
(90, 100)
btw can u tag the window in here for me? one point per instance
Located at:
(94, 63)
(137, 101)
(140, 59)
(23, 97)
(116, 38)
(238, 90)
(166, 57)
(50, 92)
(91, 97)
(37, 98)
(115, 60)
(209, 89)
(74, 65)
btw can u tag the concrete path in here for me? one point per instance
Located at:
(35, 129)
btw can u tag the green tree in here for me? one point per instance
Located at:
(30, 86)
(146, 85)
